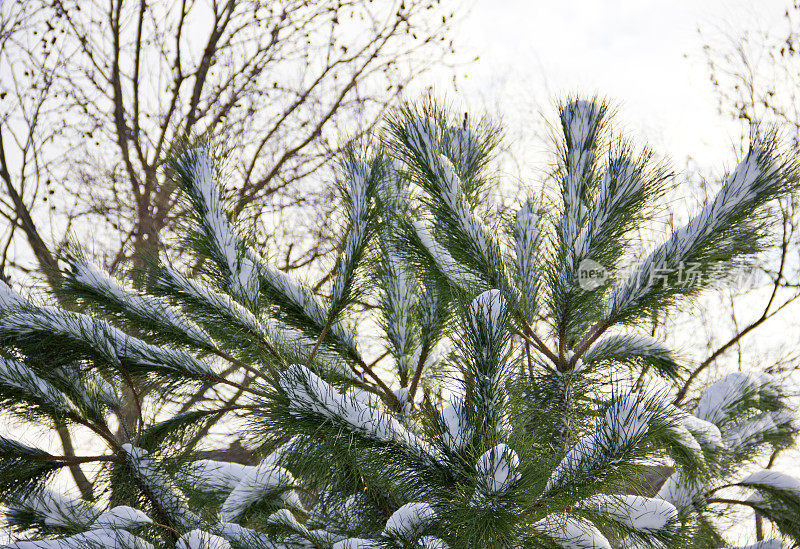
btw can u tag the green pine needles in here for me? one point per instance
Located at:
(457, 382)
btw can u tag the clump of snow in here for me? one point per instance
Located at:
(241, 536)
(774, 480)
(572, 532)
(357, 543)
(410, 519)
(107, 539)
(497, 470)
(457, 429)
(266, 480)
(121, 517)
(114, 344)
(450, 191)
(715, 403)
(284, 517)
(405, 402)
(646, 515)
(580, 119)
(487, 312)
(422, 137)
(705, 432)
(197, 539)
(679, 490)
(207, 475)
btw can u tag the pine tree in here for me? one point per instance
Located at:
(516, 400)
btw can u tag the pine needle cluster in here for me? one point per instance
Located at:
(514, 399)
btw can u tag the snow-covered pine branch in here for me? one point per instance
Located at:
(528, 238)
(83, 278)
(196, 174)
(398, 296)
(359, 191)
(486, 337)
(20, 385)
(247, 276)
(456, 228)
(101, 538)
(624, 427)
(310, 395)
(582, 124)
(168, 502)
(635, 350)
(725, 232)
(85, 337)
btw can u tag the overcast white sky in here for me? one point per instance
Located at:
(645, 55)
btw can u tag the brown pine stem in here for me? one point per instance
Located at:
(423, 356)
(318, 343)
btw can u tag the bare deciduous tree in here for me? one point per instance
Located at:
(116, 85)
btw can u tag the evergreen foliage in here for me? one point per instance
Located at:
(511, 405)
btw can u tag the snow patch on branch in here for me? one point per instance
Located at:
(309, 393)
(752, 180)
(528, 236)
(457, 429)
(572, 532)
(719, 399)
(645, 515)
(56, 509)
(458, 275)
(487, 314)
(111, 342)
(266, 481)
(197, 539)
(19, 376)
(358, 199)
(409, 520)
(754, 429)
(107, 539)
(680, 491)
(497, 471)
(771, 544)
(123, 517)
(160, 487)
(206, 475)
(357, 543)
(625, 424)
(772, 480)
(9, 299)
